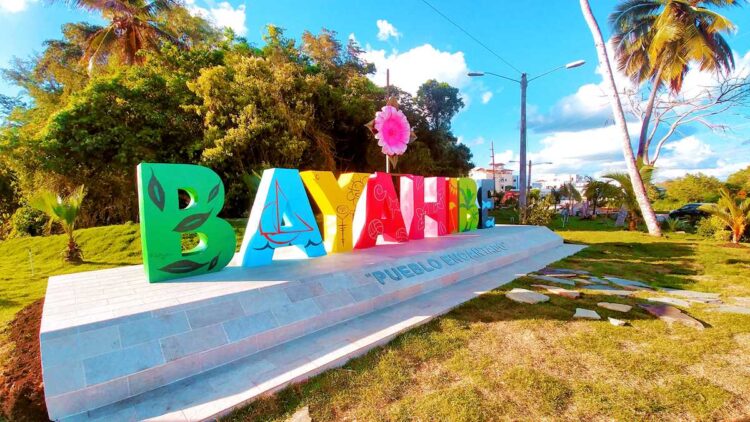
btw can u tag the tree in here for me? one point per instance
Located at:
(439, 102)
(598, 192)
(701, 106)
(693, 188)
(656, 40)
(639, 189)
(627, 197)
(735, 213)
(133, 26)
(569, 191)
(65, 211)
(740, 180)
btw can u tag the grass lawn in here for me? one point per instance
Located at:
(494, 359)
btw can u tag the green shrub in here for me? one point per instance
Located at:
(710, 227)
(540, 211)
(674, 224)
(723, 235)
(27, 221)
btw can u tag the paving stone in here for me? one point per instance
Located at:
(670, 314)
(302, 415)
(692, 294)
(562, 272)
(586, 313)
(598, 280)
(610, 290)
(617, 322)
(553, 279)
(526, 296)
(705, 300)
(670, 301)
(733, 309)
(628, 284)
(570, 294)
(619, 307)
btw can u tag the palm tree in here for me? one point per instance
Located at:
(656, 40)
(569, 191)
(639, 189)
(65, 211)
(597, 191)
(626, 195)
(132, 27)
(734, 212)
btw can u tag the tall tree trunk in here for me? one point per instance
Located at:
(642, 140)
(619, 115)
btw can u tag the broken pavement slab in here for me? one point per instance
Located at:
(562, 272)
(670, 314)
(733, 309)
(586, 313)
(302, 415)
(553, 279)
(619, 307)
(598, 280)
(692, 294)
(610, 290)
(670, 301)
(570, 294)
(628, 284)
(526, 296)
(617, 322)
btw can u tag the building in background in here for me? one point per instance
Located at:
(546, 182)
(504, 178)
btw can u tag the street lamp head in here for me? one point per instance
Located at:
(476, 73)
(576, 63)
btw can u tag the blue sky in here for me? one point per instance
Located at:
(568, 114)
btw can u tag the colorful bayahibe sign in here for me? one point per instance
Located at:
(357, 209)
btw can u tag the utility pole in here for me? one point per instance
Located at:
(494, 175)
(522, 158)
(528, 185)
(387, 97)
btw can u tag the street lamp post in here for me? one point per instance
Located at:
(524, 82)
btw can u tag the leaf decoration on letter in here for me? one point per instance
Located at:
(213, 193)
(192, 222)
(213, 262)
(182, 266)
(156, 191)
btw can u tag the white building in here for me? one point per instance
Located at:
(503, 177)
(546, 182)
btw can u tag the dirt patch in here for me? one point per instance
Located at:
(21, 386)
(734, 245)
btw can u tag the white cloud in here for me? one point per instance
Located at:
(15, 6)
(692, 155)
(414, 67)
(583, 151)
(506, 157)
(223, 15)
(386, 30)
(686, 153)
(486, 97)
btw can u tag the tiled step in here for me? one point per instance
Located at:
(117, 336)
(215, 392)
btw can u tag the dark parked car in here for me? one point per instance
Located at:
(690, 212)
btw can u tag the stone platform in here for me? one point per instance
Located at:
(115, 347)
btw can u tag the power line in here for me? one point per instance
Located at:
(470, 36)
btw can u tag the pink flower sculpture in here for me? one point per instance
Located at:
(392, 130)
